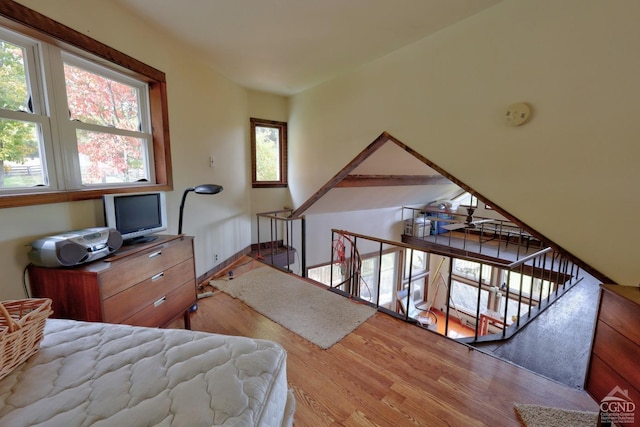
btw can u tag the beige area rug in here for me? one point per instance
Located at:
(316, 314)
(542, 416)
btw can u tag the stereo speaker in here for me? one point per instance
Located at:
(75, 247)
(71, 253)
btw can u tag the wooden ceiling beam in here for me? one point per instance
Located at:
(371, 148)
(391, 180)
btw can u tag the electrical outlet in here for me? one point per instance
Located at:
(215, 257)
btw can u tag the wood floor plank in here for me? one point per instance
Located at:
(391, 373)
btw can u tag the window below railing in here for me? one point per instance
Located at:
(459, 296)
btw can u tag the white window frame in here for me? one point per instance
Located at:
(27, 24)
(34, 59)
(44, 67)
(68, 127)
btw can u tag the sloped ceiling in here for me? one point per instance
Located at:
(385, 174)
(286, 46)
(387, 162)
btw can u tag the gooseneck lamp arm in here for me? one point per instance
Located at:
(184, 197)
(199, 189)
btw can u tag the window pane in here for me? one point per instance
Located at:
(512, 310)
(95, 99)
(416, 265)
(14, 92)
(322, 274)
(369, 279)
(109, 158)
(517, 280)
(388, 278)
(267, 153)
(467, 199)
(471, 270)
(465, 297)
(20, 164)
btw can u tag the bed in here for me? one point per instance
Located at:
(102, 374)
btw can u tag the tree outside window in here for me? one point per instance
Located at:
(78, 119)
(106, 116)
(19, 140)
(268, 153)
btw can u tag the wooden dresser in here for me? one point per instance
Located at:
(615, 353)
(149, 284)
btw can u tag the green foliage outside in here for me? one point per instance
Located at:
(267, 154)
(94, 99)
(101, 101)
(18, 140)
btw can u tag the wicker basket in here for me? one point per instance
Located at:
(21, 330)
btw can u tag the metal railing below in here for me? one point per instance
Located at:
(532, 284)
(279, 250)
(484, 235)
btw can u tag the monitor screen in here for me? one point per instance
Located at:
(138, 212)
(136, 215)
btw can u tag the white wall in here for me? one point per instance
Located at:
(570, 173)
(208, 114)
(382, 223)
(268, 107)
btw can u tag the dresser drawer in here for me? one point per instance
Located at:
(164, 309)
(122, 305)
(147, 284)
(130, 271)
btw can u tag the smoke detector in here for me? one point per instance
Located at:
(517, 114)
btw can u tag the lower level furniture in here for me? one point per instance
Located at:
(613, 377)
(98, 374)
(148, 284)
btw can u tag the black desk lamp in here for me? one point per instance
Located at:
(199, 189)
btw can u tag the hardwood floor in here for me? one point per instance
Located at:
(391, 373)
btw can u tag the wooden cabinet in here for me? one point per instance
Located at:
(144, 285)
(615, 352)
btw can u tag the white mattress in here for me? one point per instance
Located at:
(116, 375)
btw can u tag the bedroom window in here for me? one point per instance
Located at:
(109, 122)
(268, 153)
(77, 119)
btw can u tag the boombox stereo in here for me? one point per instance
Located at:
(74, 247)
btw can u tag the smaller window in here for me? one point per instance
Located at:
(268, 153)
(466, 199)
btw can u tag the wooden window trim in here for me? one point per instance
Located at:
(283, 154)
(58, 34)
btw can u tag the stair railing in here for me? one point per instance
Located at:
(554, 273)
(281, 235)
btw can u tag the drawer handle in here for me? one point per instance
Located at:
(160, 301)
(155, 254)
(157, 276)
